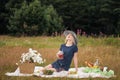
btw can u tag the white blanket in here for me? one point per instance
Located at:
(80, 73)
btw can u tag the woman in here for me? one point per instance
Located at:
(68, 51)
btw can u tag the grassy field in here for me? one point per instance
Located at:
(107, 50)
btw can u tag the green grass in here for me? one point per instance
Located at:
(39, 42)
(110, 41)
(107, 49)
(53, 42)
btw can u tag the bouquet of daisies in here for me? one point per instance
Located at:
(32, 56)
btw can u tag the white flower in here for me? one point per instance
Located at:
(33, 56)
(16, 63)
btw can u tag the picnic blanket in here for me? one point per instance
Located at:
(83, 72)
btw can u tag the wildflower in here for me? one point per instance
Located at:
(31, 56)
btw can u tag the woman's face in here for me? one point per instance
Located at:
(69, 37)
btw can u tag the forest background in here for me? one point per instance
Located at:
(46, 17)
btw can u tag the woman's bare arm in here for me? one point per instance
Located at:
(75, 61)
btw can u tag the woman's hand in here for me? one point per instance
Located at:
(60, 55)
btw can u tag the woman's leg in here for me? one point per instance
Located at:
(49, 67)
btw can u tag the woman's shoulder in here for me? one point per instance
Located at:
(75, 46)
(62, 44)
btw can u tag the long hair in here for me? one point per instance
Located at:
(73, 34)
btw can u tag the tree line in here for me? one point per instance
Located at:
(43, 17)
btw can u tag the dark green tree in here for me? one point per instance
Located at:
(92, 16)
(3, 17)
(34, 19)
(52, 22)
(115, 6)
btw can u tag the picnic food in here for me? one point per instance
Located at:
(48, 72)
(72, 71)
(89, 64)
(94, 65)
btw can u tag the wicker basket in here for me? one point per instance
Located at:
(27, 68)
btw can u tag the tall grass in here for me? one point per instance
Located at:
(52, 42)
(107, 50)
(103, 41)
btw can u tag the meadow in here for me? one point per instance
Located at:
(106, 49)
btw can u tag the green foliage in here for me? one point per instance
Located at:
(92, 16)
(3, 17)
(52, 22)
(35, 19)
(48, 72)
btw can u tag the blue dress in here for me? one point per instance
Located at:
(64, 64)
